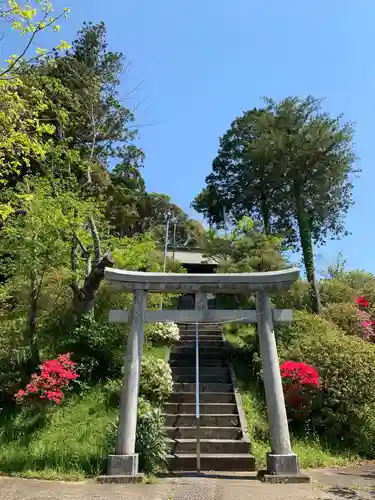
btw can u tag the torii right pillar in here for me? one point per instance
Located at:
(282, 463)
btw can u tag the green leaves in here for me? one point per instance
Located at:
(245, 249)
(23, 135)
(29, 19)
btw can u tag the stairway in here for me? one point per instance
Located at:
(222, 445)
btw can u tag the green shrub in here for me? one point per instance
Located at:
(156, 379)
(242, 336)
(297, 297)
(151, 441)
(97, 347)
(346, 366)
(334, 291)
(344, 315)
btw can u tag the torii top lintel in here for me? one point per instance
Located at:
(270, 281)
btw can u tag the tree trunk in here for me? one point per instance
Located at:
(84, 297)
(308, 255)
(32, 324)
(265, 213)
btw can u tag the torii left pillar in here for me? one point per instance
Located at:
(125, 462)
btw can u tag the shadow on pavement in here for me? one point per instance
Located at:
(370, 475)
(349, 493)
(210, 475)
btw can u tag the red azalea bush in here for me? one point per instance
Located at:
(55, 376)
(300, 383)
(364, 319)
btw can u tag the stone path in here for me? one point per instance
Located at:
(354, 483)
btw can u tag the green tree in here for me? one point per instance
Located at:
(290, 166)
(100, 126)
(245, 249)
(34, 240)
(95, 133)
(154, 208)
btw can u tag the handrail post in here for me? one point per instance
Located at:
(201, 308)
(197, 409)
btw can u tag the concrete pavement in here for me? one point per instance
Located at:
(346, 483)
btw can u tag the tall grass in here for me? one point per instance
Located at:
(70, 442)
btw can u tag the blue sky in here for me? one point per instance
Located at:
(198, 64)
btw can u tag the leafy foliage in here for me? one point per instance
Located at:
(343, 314)
(346, 366)
(245, 249)
(96, 348)
(24, 136)
(151, 442)
(30, 18)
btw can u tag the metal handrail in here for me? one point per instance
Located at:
(197, 409)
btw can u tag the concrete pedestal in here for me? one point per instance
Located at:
(125, 465)
(282, 468)
(122, 469)
(287, 463)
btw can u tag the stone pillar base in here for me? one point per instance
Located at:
(122, 469)
(283, 468)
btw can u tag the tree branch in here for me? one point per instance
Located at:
(73, 255)
(28, 45)
(96, 240)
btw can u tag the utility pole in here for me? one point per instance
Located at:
(174, 234)
(225, 221)
(168, 218)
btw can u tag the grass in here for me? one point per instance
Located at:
(67, 443)
(311, 451)
(158, 352)
(70, 444)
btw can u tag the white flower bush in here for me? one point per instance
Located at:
(156, 382)
(162, 332)
(156, 379)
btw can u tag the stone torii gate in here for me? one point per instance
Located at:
(281, 461)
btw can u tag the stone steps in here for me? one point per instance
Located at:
(211, 387)
(189, 420)
(202, 328)
(241, 462)
(204, 408)
(206, 344)
(219, 361)
(222, 446)
(183, 446)
(203, 370)
(204, 379)
(205, 397)
(205, 432)
(189, 337)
